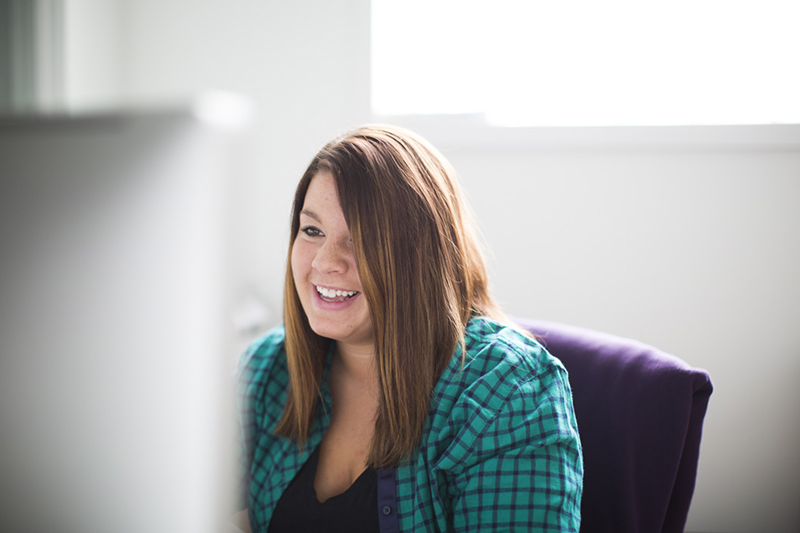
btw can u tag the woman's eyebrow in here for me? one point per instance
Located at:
(310, 214)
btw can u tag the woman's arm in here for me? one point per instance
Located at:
(525, 471)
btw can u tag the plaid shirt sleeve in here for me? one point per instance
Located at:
(523, 472)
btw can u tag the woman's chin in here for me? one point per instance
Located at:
(340, 332)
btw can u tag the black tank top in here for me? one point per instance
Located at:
(353, 511)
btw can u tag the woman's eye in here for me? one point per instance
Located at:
(311, 231)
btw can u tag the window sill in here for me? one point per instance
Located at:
(471, 132)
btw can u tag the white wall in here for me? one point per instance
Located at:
(304, 68)
(694, 250)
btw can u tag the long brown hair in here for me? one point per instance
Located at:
(421, 271)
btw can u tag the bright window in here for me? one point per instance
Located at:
(588, 63)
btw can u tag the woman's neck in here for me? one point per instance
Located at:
(357, 362)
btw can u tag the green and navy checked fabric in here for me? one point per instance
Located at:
(500, 451)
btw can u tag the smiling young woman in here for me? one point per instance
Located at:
(395, 397)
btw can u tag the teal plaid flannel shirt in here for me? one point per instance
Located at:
(500, 451)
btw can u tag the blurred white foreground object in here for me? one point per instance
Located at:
(111, 376)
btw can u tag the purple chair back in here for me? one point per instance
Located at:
(640, 416)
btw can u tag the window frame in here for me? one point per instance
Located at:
(472, 132)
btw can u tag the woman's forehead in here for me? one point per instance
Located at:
(322, 199)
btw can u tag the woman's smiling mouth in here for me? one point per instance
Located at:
(334, 295)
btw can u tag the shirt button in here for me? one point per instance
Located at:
(387, 510)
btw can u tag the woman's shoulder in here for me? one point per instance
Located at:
(263, 358)
(262, 381)
(492, 346)
(264, 347)
(501, 364)
(506, 393)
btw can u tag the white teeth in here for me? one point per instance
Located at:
(335, 293)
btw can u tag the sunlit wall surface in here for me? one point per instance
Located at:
(586, 63)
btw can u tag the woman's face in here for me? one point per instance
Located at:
(324, 268)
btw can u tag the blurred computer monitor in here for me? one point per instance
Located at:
(111, 281)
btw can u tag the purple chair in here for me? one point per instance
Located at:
(640, 415)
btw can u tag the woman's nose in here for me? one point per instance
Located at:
(331, 258)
